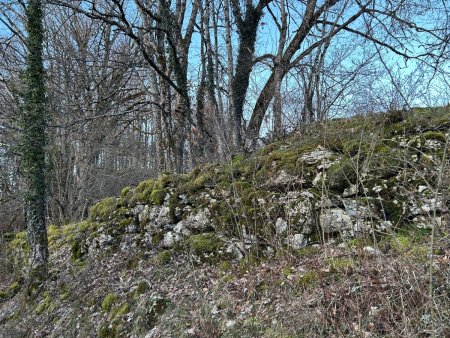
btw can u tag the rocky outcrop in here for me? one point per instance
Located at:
(288, 192)
(255, 235)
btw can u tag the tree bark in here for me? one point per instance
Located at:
(34, 123)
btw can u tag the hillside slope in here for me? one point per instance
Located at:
(338, 230)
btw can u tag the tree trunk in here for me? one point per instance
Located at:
(247, 29)
(33, 123)
(265, 97)
(228, 42)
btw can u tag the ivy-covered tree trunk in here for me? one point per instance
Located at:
(33, 122)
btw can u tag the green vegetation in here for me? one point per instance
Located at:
(108, 302)
(341, 175)
(76, 250)
(288, 271)
(14, 288)
(120, 311)
(164, 257)
(45, 304)
(308, 278)
(340, 264)
(157, 196)
(225, 266)
(142, 288)
(107, 331)
(103, 209)
(204, 243)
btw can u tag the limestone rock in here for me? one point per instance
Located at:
(281, 225)
(170, 239)
(359, 209)
(199, 220)
(335, 220)
(319, 154)
(297, 241)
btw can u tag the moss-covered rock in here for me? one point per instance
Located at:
(157, 196)
(342, 174)
(103, 209)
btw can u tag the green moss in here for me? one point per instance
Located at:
(76, 250)
(338, 264)
(104, 209)
(142, 288)
(14, 288)
(174, 203)
(401, 243)
(308, 278)
(270, 148)
(307, 251)
(8, 236)
(65, 295)
(108, 302)
(420, 253)
(69, 229)
(341, 175)
(227, 279)
(84, 226)
(288, 271)
(3, 296)
(107, 331)
(435, 135)
(225, 266)
(120, 311)
(202, 180)
(144, 190)
(125, 191)
(45, 304)
(157, 238)
(157, 196)
(381, 148)
(353, 147)
(125, 222)
(204, 243)
(394, 116)
(53, 233)
(19, 241)
(164, 257)
(249, 261)
(358, 243)
(391, 209)
(164, 181)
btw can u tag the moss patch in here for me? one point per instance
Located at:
(142, 288)
(108, 302)
(157, 196)
(164, 257)
(76, 250)
(340, 264)
(341, 175)
(45, 304)
(308, 278)
(103, 210)
(204, 243)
